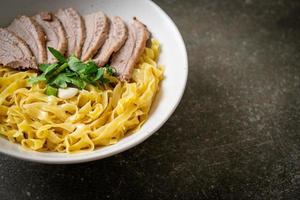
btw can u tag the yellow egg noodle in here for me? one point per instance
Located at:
(95, 117)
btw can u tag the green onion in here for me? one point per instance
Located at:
(59, 69)
(51, 91)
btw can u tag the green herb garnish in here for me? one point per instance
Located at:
(111, 71)
(43, 67)
(71, 72)
(57, 55)
(33, 80)
(51, 90)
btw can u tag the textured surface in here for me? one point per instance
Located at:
(235, 135)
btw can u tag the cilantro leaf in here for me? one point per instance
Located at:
(62, 80)
(99, 75)
(77, 82)
(57, 55)
(59, 81)
(43, 67)
(33, 80)
(91, 67)
(76, 65)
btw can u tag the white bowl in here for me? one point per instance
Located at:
(173, 57)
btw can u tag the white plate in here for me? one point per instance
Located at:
(174, 57)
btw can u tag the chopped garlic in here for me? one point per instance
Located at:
(67, 93)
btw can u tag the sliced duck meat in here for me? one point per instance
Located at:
(75, 30)
(97, 27)
(55, 34)
(29, 30)
(14, 52)
(46, 16)
(117, 36)
(126, 58)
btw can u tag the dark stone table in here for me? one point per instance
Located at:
(236, 133)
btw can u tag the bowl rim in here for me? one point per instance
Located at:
(130, 144)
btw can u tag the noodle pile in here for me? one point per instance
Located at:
(95, 117)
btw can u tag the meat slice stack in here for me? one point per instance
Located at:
(75, 29)
(27, 29)
(116, 39)
(14, 52)
(125, 59)
(97, 27)
(94, 36)
(55, 33)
